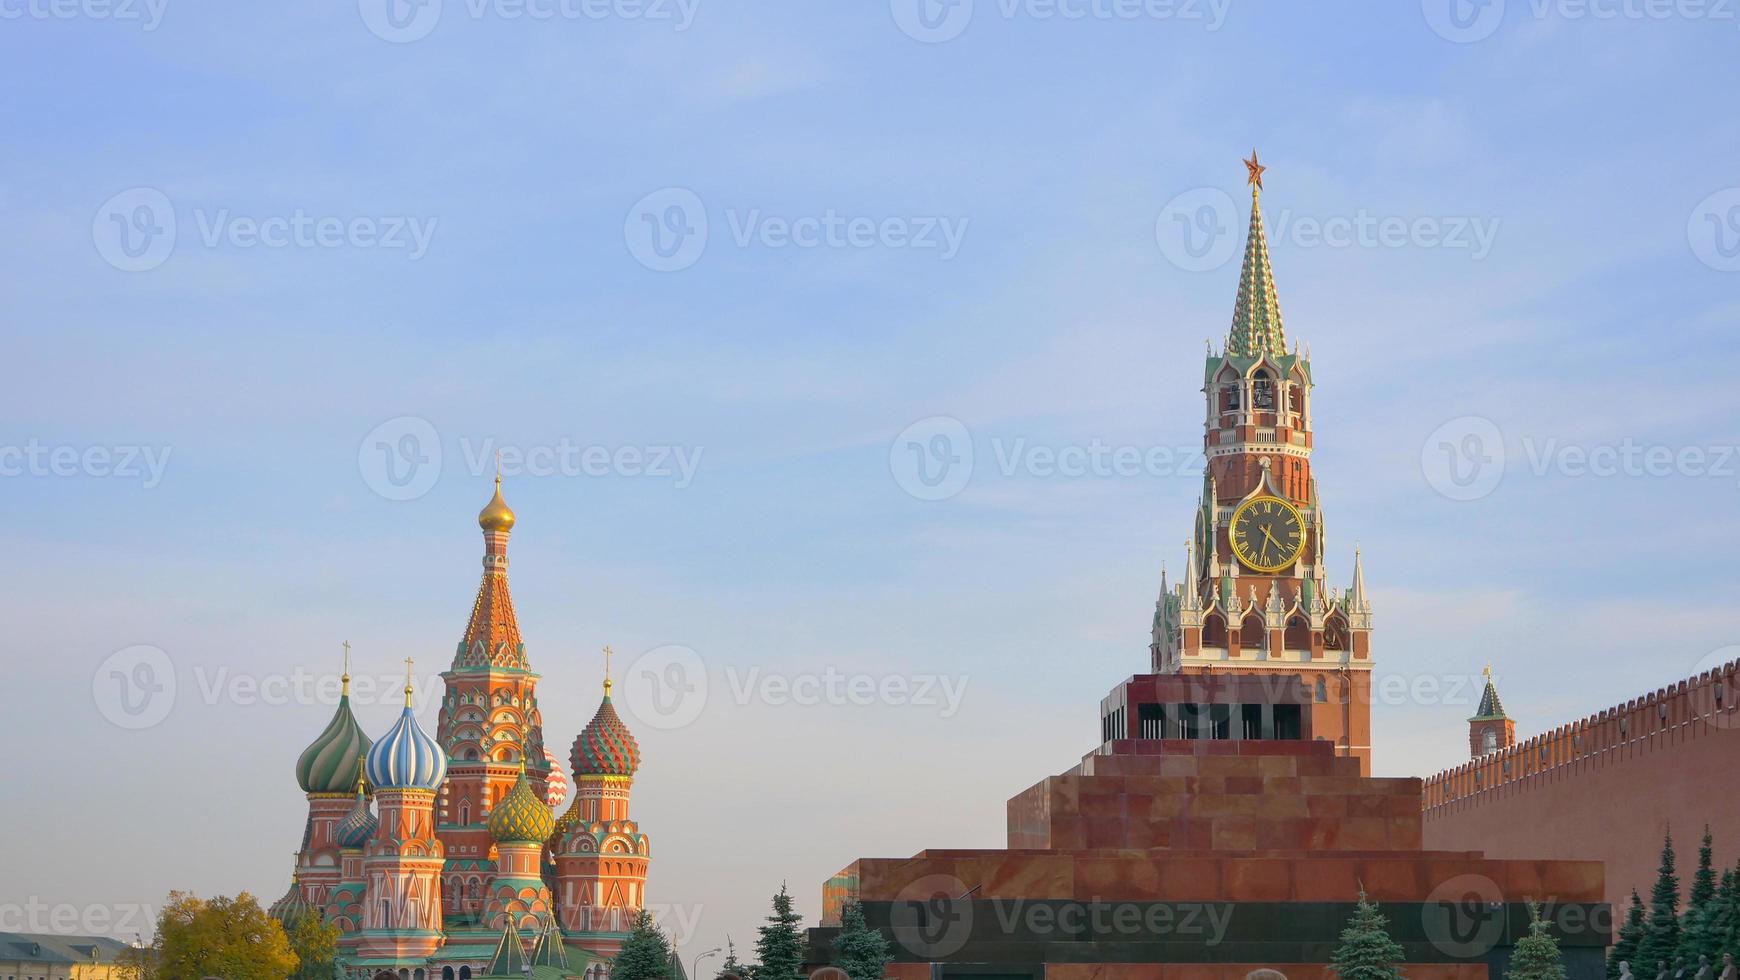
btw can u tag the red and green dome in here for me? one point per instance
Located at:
(605, 746)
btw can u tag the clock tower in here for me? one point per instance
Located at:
(1255, 598)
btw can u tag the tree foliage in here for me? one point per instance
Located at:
(231, 938)
(1625, 947)
(733, 967)
(1536, 956)
(862, 952)
(315, 943)
(1367, 952)
(645, 954)
(780, 945)
(1661, 937)
(1693, 940)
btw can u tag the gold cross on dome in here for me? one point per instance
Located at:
(1255, 177)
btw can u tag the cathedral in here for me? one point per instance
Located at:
(442, 856)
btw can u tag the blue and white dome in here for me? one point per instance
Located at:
(405, 758)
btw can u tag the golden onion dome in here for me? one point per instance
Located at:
(496, 515)
(521, 817)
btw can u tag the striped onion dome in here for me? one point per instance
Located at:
(406, 758)
(327, 765)
(556, 784)
(359, 824)
(605, 746)
(292, 908)
(520, 817)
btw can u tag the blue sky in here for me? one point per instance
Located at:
(1597, 153)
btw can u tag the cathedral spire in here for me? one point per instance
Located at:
(492, 634)
(1256, 326)
(1357, 600)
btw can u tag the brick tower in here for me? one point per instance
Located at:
(1255, 597)
(401, 906)
(326, 772)
(489, 717)
(1490, 729)
(519, 898)
(600, 853)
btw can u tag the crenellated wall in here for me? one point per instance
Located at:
(1606, 787)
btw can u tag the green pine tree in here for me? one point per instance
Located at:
(1625, 949)
(645, 954)
(780, 947)
(1367, 952)
(860, 950)
(1661, 937)
(1693, 941)
(1721, 925)
(732, 967)
(1536, 956)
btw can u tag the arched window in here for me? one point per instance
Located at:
(1252, 634)
(1335, 634)
(1321, 694)
(1488, 741)
(465, 813)
(1213, 630)
(1229, 398)
(446, 973)
(465, 973)
(1298, 635)
(1262, 391)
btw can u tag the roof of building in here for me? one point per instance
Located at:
(1490, 706)
(492, 633)
(1256, 326)
(45, 948)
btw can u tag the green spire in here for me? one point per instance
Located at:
(1256, 326)
(510, 957)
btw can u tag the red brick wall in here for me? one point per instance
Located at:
(1606, 788)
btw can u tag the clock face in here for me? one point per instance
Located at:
(1267, 534)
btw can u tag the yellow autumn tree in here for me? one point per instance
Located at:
(231, 938)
